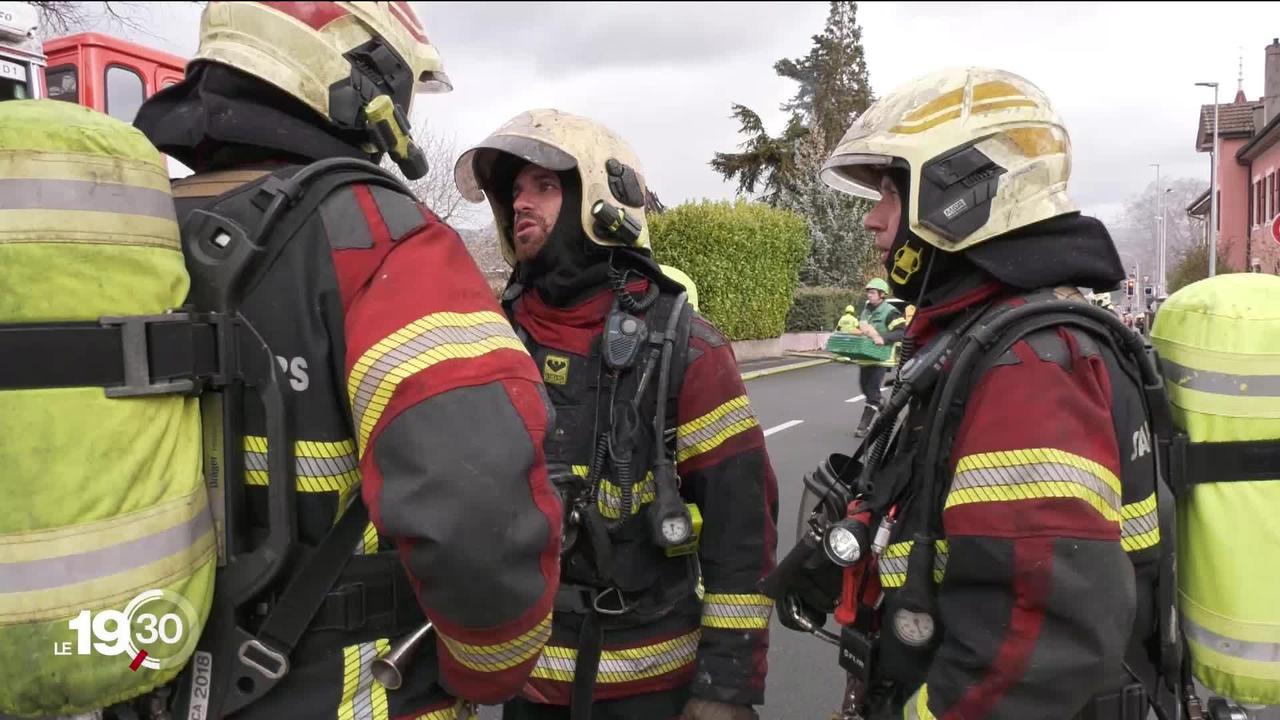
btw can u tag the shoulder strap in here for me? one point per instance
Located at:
(660, 315)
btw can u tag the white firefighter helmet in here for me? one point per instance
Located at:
(357, 64)
(613, 189)
(984, 148)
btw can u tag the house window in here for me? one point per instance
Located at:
(125, 93)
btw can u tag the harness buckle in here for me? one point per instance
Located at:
(622, 609)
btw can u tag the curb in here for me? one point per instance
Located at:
(784, 368)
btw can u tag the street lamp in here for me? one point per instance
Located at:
(1159, 223)
(1213, 185)
(1164, 245)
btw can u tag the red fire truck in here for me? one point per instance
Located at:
(93, 69)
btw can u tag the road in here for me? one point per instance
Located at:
(806, 414)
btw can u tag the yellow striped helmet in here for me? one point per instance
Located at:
(357, 64)
(613, 186)
(985, 150)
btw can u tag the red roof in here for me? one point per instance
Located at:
(1235, 120)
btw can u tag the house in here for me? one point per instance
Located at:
(1248, 165)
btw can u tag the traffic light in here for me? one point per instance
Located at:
(1130, 286)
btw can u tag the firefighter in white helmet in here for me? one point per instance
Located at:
(670, 498)
(403, 375)
(1018, 579)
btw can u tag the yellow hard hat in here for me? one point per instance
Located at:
(849, 309)
(357, 64)
(985, 150)
(613, 188)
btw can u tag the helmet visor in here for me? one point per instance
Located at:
(858, 175)
(473, 173)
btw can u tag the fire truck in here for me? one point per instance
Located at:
(102, 72)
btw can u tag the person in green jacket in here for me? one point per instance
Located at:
(883, 324)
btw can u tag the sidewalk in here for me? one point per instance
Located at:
(764, 367)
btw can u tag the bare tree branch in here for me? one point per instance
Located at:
(436, 189)
(59, 17)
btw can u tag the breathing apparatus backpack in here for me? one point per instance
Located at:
(126, 558)
(1219, 345)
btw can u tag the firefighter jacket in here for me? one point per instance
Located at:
(1047, 550)
(409, 387)
(712, 634)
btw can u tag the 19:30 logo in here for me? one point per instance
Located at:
(156, 630)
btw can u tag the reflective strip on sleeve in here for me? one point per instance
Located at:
(87, 565)
(362, 698)
(425, 342)
(457, 711)
(712, 430)
(496, 658)
(620, 666)
(893, 562)
(736, 612)
(1140, 525)
(318, 466)
(1035, 473)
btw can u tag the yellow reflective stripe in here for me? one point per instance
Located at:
(1235, 406)
(609, 498)
(318, 466)
(619, 666)
(362, 698)
(495, 658)
(48, 574)
(892, 564)
(425, 342)
(1035, 473)
(84, 227)
(1140, 525)
(369, 543)
(42, 165)
(458, 711)
(1229, 363)
(710, 431)
(917, 708)
(736, 612)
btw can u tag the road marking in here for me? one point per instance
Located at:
(860, 398)
(783, 426)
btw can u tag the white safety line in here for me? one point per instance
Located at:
(860, 398)
(783, 426)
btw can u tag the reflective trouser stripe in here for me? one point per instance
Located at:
(96, 561)
(892, 563)
(736, 612)
(619, 666)
(362, 698)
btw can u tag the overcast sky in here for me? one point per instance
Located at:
(664, 75)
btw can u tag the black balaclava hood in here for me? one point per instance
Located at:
(220, 117)
(570, 267)
(1065, 250)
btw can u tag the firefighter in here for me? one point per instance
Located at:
(409, 387)
(671, 626)
(1039, 544)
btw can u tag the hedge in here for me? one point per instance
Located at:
(745, 258)
(817, 309)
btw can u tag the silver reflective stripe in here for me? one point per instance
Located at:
(405, 350)
(1253, 651)
(1220, 383)
(66, 570)
(306, 466)
(1031, 474)
(43, 194)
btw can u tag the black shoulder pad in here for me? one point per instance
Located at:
(344, 221)
(402, 214)
(702, 329)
